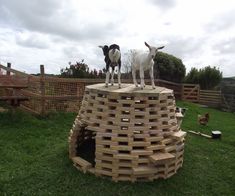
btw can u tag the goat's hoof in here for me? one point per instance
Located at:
(154, 87)
(112, 84)
(142, 88)
(136, 85)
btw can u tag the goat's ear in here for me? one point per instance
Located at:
(101, 47)
(147, 45)
(161, 47)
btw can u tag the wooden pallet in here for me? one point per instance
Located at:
(136, 132)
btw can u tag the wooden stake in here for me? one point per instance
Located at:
(199, 133)
(8, 66)
(42, 88)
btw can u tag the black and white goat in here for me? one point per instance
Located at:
(142, 62)
(112, 59)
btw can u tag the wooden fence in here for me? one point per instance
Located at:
(47, 94)
(210, 98)
(190, 92)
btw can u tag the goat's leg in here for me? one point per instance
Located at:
(107, 77)
(112, 76)
(134, 76)
(119, 76)
(142, 85)
(151, 76)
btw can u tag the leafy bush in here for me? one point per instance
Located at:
(208, 77)
(169, 67)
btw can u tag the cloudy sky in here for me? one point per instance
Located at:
(55, 32)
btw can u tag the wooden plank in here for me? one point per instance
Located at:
(82, 162)
(142, 152)
(199, 133)
(12, 86)
(156, 147)
(13, 70)
(179, 135)
(20, 98)
(210, 94)
(210, 91)
(125, 156)
(161, 157)
(210, 97)
(143, 170)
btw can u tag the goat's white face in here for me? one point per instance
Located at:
(153, 50)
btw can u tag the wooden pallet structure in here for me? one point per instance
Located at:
(136, 133)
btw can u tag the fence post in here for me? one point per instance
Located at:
(182, 91)
(8, 66)
(198, 93)
(42, 88)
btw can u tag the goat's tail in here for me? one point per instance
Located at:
(114, 55)
(113, 51)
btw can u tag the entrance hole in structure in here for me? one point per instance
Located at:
(86, 146)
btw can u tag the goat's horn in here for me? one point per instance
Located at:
(161, 47)
(101, 47)
(147, 44)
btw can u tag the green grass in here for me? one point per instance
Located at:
(34, 159)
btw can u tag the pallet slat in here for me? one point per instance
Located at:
(161, 158)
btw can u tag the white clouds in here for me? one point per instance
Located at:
(32, 40)
(164, 4)
(54, 32)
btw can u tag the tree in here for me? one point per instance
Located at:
(169, 67)
(126, 64)
(80, 70)
(192, 77)
(208, 77)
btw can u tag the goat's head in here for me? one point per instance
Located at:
(105, 49)
(153, 50)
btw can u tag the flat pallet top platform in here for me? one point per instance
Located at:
(127, 89)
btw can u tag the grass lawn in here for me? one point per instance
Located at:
(34, 159)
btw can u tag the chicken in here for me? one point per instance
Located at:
(203, 119)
